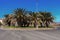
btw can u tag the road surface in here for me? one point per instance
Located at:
(29, 35)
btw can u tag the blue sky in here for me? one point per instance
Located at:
(53, 6)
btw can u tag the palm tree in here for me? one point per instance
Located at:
(8, 18)
(41, 15)
(0, 23)
(20, 16)
(34, 18)
(46, 18)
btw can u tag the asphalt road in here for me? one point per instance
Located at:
(29, 35)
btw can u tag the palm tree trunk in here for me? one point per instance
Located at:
(47, 25)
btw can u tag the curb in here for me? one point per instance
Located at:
(27, 29)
